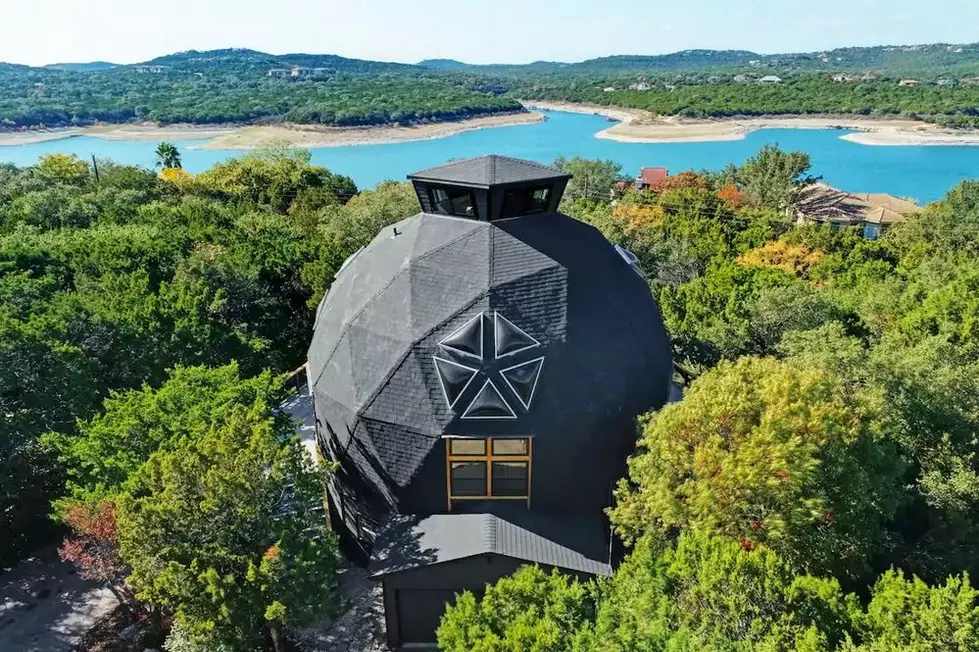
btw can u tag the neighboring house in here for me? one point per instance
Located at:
(843, 79)
(946, 82)
(873, 213)
(648, 177)
(619, 188)
(476, 373)
(640, 86)
(770, 79)
(609, 89)
(279, 72)
(156, 70)
(908, 82)
(308, 73)
(741, 78)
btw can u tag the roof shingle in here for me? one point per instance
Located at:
(486, 171)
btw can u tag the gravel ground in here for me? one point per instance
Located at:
(360, 625)
(46, 607)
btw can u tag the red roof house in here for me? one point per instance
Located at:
(650, 176)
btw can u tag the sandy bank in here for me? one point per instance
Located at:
(251, 137)
(638, 126)
(319, 136)
(130, 132)
(14, 138)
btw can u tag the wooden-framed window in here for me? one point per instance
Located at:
(488, 468)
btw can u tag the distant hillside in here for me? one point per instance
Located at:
(935, 58)
(235, 86)
(93, 66)
(244, 60)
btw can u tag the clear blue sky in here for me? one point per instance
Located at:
(510, 31)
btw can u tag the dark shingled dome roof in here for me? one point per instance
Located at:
(373, 361)
(533, 326)
(486, 171)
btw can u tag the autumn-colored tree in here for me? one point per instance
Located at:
(63, 168)
(767, 452)
(635, 217)
(796, 259)
(177, 176)
(731, 196)
(688, 179)
(93, 547)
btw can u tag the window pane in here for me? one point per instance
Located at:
(467, 447)
(525, 201)
(453, 202)
(469, 478)
(509, 478)
(462, 204)
(510, 447)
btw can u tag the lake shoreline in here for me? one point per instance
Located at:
(246, 137)
(637, 126)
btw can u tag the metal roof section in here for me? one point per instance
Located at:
(569, 542)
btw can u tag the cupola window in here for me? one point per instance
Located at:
(525, 201)
(453, 201)
(493, 468)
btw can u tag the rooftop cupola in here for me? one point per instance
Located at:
(490, 188)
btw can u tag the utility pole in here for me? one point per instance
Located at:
(95, 166)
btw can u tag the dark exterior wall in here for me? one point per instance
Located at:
(470, 574)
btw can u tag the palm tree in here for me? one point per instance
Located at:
(167, 156)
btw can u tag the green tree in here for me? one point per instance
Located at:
(772, 177)
(710, 593)
(278, 178)
(109, 448)
(907, 615)
(592, 180)
(532, 610)
(767, 452)
(63, 168)
(168, 156)
(224, 531)
(343, 230)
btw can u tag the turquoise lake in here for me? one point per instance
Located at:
(922, 173)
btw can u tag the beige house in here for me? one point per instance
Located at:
(872, 212)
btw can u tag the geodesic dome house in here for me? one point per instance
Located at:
(476, 373)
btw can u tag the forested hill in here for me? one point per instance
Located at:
(937, 58)
(91, 66)
(250, 61)
(242, 86)
(247, 86)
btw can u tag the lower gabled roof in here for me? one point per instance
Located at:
(569, 542)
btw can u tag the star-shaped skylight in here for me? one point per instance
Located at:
(473, 376)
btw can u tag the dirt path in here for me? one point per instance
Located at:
(46, 607)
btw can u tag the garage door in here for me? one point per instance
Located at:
(419, 613)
